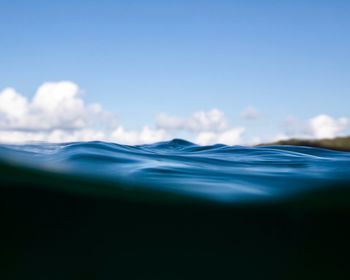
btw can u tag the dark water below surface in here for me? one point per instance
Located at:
(173, 210)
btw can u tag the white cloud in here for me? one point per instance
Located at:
(58, 113)
(54, 106)
(54, 136)
(250, 113)
(206, 127)
(13, 108)
(324, 126)
(61, 104)
(213, 120)
(318, 127)
(229, 137)
(146, 135)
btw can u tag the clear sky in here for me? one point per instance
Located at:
(283, 59)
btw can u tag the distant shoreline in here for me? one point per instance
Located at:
(338, 144)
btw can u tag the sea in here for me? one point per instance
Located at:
(173, 210)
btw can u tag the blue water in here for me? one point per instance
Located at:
(218, 173)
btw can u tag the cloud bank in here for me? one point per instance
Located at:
(58, 113)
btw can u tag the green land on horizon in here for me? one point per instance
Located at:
(339, 143)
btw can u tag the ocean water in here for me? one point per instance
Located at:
(183, 170)
(173, 210)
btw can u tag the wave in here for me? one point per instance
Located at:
(181, 169)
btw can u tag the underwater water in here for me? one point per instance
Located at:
(173, 210)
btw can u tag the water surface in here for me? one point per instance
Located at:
(182, 170)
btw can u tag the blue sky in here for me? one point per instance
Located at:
(140, 58)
